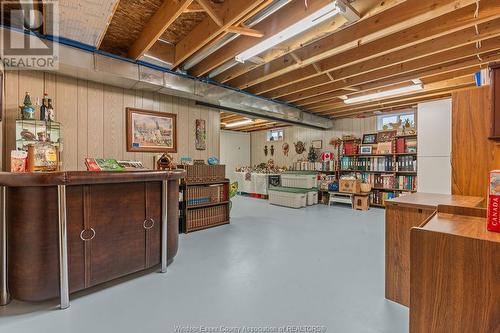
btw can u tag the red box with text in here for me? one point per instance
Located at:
(494, 201)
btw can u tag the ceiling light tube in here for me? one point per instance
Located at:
(381, 94)
(306, 23)
(240, 123)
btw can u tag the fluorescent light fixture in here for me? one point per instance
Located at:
(240, 123)
(319, 16)
(381, 94)
(347, 11)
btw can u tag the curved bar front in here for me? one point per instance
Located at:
(113, 227)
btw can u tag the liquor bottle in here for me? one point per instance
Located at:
(51, 113)
(44, 114)
(27, 109)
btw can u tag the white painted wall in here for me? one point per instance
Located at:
(355, 126)
(234, 151)
(434, 146)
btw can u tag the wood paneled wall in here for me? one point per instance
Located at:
(355, 126)
(93, 117)
(473, 155)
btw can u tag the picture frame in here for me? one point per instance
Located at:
(317, 144)
(151, 131)
(386, 136)
(369, 139)
(365, 150)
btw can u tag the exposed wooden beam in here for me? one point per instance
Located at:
(409, 70)
(271, 26)
(367, 8)
(211, 11)
(169, 11)
(434, 88)
(245, 31)
(452, 72)
(207, 30)
(194, 7)
(444, 48)
(404, 25)
(434, 46)
(162, 51)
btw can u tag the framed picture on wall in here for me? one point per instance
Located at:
(151, 131)
(317, 144)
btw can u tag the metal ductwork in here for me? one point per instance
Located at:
(97, 67)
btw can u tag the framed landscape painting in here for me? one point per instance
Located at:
(150, 131)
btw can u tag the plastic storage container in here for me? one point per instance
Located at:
(312, 198)
(288, 197)
(299, 180)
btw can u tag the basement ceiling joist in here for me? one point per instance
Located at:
(394, 42)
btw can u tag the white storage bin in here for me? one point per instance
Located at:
(292, 198)
(299, 180)
(312, 198)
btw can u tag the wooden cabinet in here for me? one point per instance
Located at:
(402, 214)
(399, 221)
(455, 274)
(495, 101)
(119, 245)
(113, 222)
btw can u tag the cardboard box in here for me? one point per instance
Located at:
(350, 185)
(361, 202)
(494, 201)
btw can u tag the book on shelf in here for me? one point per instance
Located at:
(408, 183)
(383, 164)
(407, 163)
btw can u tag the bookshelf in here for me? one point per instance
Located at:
(389, 174)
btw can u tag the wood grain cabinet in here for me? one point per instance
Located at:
(114, 229)
(401, 215)
(399, 221)
(455, 274)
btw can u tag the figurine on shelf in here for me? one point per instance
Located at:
(50, 111)
(166, 162)
(265, 150)
(27, 109)
(272, 150)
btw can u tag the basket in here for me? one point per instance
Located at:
(202, 173)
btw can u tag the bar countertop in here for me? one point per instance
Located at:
(85, 177)
(433, 200)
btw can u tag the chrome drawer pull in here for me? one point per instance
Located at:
(146, 226)
(87, 239)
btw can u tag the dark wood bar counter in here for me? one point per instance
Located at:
(401, 214)
(68, 231)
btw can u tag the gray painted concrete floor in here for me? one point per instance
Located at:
(271, 267)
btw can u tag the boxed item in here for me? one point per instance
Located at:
(494, 201)
(350, 185)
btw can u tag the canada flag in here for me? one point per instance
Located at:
(326, 156)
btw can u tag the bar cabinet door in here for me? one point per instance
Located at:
(117, 214)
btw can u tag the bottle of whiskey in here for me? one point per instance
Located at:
(51, 113)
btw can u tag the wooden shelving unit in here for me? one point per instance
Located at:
(393, 172)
